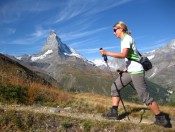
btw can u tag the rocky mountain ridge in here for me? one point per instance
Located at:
(164, 67)
(64, 64)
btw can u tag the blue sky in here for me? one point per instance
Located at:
(85, 25)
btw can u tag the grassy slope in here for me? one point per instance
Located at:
(17, 88)
(28, 120)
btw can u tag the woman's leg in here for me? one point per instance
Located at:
(140, 86)
(120, 82)
(123, 80)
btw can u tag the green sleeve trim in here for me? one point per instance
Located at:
(137, 72)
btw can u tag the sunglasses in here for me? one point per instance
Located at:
(116, 29)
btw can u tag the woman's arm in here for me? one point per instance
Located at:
(123, 54)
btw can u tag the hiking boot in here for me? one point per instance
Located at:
(111, 114)
(163, 120)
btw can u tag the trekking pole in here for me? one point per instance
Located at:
(120, 73)
(106, 60)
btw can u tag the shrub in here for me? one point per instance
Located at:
(18, 122)
(87, 126)
(66, 124)
(171, 104)
(13, 94)
(43, 94)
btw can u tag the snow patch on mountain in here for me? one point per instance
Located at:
(170, 91)
(153, 74)
(98, 62)
(173, 44)
(34, 58)
(151, 57)
(18, 57)
(74, 53)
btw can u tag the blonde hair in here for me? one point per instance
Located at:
(122, 25)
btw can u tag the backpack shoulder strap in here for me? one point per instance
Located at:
(137, 53)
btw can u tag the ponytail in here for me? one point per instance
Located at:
(128, 32)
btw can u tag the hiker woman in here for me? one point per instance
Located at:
(133, 72)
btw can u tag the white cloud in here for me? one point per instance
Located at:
(33, 38)
(11, 30)
(79, 34)
(84, 42)
(94, 50)
(40, 32)
(23, 41)
(14, 10)
(5, 31)
(75, 8)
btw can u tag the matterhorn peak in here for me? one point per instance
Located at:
(52, 32)
(53, 44)
(52, 50)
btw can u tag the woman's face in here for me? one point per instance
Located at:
(118, 31)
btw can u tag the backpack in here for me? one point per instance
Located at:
(146, 63)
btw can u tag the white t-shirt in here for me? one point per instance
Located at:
(132, 66)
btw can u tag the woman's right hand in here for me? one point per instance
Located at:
(103, 52)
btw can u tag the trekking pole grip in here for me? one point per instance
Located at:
(104, 56)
